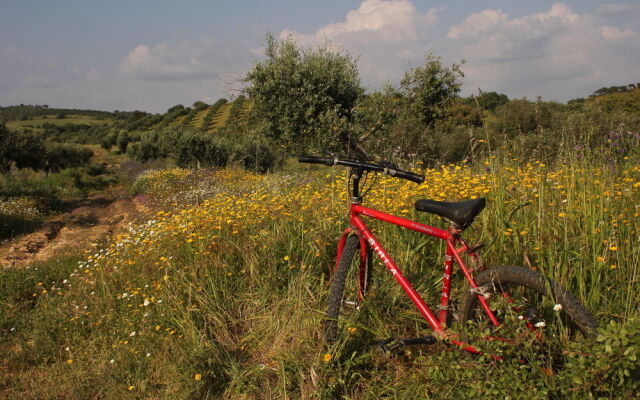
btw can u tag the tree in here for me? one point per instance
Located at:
(491, 100)
(122, 140)
(199, 105)
(294, 90)
(25, 149)
(431, 88)
(5, 149)
(63, 155)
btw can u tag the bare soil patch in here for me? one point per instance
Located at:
(91, 221)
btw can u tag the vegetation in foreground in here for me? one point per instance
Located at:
(222, 294)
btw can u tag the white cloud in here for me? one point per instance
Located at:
(613, 33)
(168, 61)
(192, 60)
(399, 18)
(386, 36)
(558, 54)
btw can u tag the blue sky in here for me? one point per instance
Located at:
(151, 55)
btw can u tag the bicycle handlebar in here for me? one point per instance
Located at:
(381, 167)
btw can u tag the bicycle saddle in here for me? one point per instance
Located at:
(461, 212)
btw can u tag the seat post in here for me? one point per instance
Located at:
(455, 229)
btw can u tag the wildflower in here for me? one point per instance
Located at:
(66, 349)
(148, 355)
(197, 377)
(112, 361)
(352, 329)
(286, 258)
(69, 361)
(613, 248)
(541, 324)
(130, 388)
(132, 334)
(327, 357)
(146, 302)
(557, 307)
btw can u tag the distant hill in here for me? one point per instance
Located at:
(627, 101)
(27, 112)
(202, 117)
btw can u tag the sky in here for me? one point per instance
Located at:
(153, 54)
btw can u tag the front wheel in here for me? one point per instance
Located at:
(533, 312)
(348, 288)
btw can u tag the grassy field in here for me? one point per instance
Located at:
(222, 293)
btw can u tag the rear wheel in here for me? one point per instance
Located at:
(347, 291)
(534, 312)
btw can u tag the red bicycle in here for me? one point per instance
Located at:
(512, 305)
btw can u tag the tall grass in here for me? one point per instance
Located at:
(222, 295)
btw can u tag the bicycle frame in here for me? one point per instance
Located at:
(453, 239)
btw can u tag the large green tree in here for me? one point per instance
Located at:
(431, 88)
(299, 93)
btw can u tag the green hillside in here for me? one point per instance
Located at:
(37, 123)
(628, 101)
(220, 118)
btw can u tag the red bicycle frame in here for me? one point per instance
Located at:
(453, 239)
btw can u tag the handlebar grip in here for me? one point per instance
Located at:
(316, 160)
(410, 176)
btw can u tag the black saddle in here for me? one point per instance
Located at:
(461, 212)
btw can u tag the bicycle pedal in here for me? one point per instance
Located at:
(390, 346)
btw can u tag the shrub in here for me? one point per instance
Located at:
(61, 155)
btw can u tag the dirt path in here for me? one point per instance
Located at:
(93, 220)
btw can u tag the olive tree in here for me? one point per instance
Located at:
(297, 92)
(431, 88)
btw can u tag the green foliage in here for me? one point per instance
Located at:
(608, 367)
(625, 102)
(6, 139)
(122, 141)
(234, 115)
(25, 112)
(44, 190)
(18, 285)
(62, 155)
(615, 89)
(109, 140)
(488, 100)
(172, 114)
(192, 149)
(199, 105)
(24, 149)
(295, 89)
(211, 113)
(431, 88)
(521, 116)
